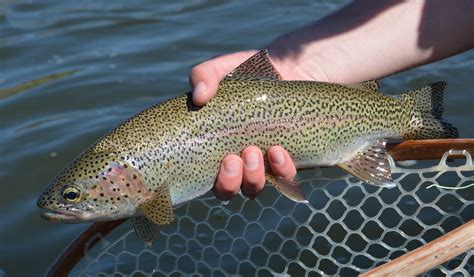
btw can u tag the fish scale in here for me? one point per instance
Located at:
(171, 152)
(298, 129)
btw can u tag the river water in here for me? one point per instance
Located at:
(72, 70)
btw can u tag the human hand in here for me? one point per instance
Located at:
(245, 172)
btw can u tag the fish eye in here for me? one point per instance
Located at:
(71, 194)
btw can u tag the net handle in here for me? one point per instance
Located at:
(432, 254)
(428, 149)
(407, 150)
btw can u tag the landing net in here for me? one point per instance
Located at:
(347, 228)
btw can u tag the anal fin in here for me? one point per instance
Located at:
(290, 189)
(370, 164)
(145, 229)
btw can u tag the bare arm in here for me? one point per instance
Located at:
(368, 40)
(364, 40)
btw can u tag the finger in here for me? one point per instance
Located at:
(281, 163)
(229, 178)
(254, 172)
(205, 77)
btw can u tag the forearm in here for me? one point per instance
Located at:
(372, 39)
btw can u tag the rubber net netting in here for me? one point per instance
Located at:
(347, 228)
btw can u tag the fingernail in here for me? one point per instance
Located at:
(231, 167)
(199, 89)
(278, 157)
(251, 160)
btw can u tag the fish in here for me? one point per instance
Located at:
(170, 153)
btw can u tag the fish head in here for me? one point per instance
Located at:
(95, 187)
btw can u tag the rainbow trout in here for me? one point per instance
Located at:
(171, 152)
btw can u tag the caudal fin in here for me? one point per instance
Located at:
(426, 121)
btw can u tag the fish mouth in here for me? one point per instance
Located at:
(67, 216)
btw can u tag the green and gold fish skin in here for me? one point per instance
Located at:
(171, 152)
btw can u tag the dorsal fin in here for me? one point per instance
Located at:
(257, 67)
(372, 85)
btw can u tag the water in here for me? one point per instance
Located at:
(72, 70)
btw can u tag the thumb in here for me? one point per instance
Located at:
(205, 77)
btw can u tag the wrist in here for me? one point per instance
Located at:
(295, 61)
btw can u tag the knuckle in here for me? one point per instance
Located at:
(253, 184)
(195, 70)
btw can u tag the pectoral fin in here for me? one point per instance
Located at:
(159, 208)
(290, 189)
(145, 229)
(371, 165)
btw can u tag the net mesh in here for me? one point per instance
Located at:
(346, 228)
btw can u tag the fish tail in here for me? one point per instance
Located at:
(427, 108)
